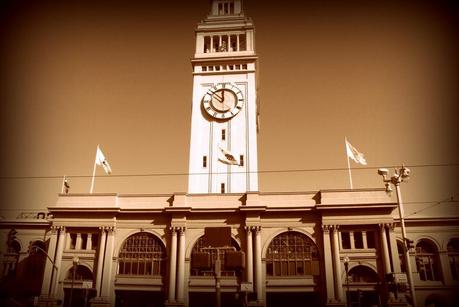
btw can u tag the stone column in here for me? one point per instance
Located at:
(364, 239)
(445, 267)
(172, 265)
(351, 239)
(393, 250)
(57, 262)
(385, 248)
(181, 265)
(100, 260)
(107, 282)
(328, 263)
(385, 254)
(49, 266)
(89, 242)
(68, 240)
(258, 266)
(337, 265)
(249, 267)
(78, 241)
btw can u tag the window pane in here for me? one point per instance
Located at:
(346, 240)
(358, 240)
(137, 253)
(371, 239)
(291, 254)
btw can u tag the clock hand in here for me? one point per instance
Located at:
(218, 97)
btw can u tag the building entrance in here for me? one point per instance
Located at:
(364, 299)
(139, 299)
(208, 299)
(78, 297)
(293, 299)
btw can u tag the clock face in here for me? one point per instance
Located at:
(223, 101)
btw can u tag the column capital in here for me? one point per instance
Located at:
(54, 229)
(178, 229)
(334, 228)
(391, 226)
(110, 229)
(60, 228)
(383, 226)
(326, 228)
(256, 229)
(107, 228)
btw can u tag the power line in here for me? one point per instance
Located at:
(237, 172)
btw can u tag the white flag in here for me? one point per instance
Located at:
(227, 157)
(354, 154)
(101, 160)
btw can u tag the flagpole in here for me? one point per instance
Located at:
(348, 163)
(94, 172)
(63, 183)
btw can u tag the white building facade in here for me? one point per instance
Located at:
(323, 248)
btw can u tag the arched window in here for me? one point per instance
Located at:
(453, 254)
(11, 257)
(142, 254)
(427, 260)
(362, 274)
(203, 260)
(81, 273)
(401, 257)
(292, 254)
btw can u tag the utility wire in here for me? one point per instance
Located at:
(434, 204)
(237, 172)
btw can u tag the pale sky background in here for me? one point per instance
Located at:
(118, 73)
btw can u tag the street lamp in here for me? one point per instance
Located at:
(401, 175)
(76, 260)
(346, 268)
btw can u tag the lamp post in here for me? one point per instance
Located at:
(346, 268)
(75, 264)
(46, 254)
(400, 176)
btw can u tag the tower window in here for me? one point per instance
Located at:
(207, 44)
(224, 45)
(241, 160)
(242, 43)
(216, 43)
(233, 40)
(222, 188)
(223, 134)
(204, 161)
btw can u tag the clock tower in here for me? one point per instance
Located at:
(223, 145)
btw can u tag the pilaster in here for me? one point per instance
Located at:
(337, 265)
(328, 264)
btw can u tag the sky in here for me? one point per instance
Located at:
(117, 73)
